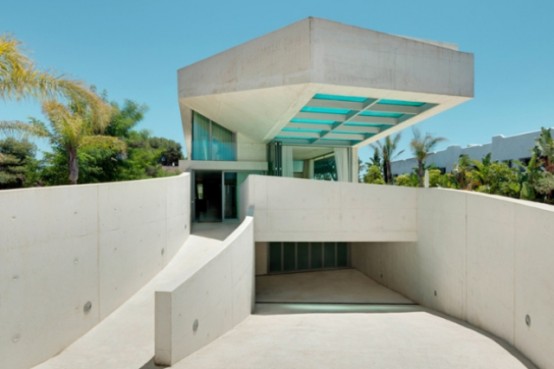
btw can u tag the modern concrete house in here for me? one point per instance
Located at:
(132, 275)
(506, 149)
(300, 101)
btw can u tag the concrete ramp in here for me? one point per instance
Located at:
(345, 286)
(125, 339)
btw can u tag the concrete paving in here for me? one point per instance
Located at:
(293, 335)
(216, 231)
(331, 286)
(376, 340)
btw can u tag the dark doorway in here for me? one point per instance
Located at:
(215, 196)
(207, 197)
(230, 195)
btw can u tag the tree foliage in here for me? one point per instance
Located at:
(122, 153)
(383, 153)
(421, 147)
(533, 180)
(17, 163)
(76, 126)
(373, 175)
(88, 135)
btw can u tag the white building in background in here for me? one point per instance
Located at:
(518, 147)
(298, 102)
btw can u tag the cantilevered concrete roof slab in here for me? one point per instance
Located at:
(327, 84)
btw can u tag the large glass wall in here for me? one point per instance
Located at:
(210, 141)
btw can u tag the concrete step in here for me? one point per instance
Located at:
(324, 308)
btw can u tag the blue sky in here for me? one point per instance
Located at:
(133, 48)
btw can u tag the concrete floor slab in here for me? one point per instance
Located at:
(307, 308)
(351, 341)
(218, 231)
(331, 286)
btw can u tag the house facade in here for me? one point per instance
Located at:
(300, 101)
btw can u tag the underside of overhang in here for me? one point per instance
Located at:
(320, 114)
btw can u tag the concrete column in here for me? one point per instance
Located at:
(354, 165)
(287, 162)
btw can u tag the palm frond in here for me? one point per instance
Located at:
(69, 126)
(86, 102)
(104, 142)
(14, 128)
(18, 76)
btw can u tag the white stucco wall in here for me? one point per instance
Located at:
(484, 259)
(212, 297)
(61, 247)
(290, 209)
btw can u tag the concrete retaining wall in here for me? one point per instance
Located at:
(70, 255)
(484, 259)
(290, 209)
(208, 301)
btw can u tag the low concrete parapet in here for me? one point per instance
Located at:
(206, 302)
(290, 209)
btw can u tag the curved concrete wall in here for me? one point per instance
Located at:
(70, 255)
(211, 297)
(484, 259)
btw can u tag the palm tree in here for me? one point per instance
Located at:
(386, 151)
(76, 124)
(421, 147)
(19, 78)
(462, 172)
(481, 174)
(545, 147)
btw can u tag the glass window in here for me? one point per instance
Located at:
(317, 255)
(275, 264)
(303, 255)
(342, 254)
(200, 138)
(325, 168)
(289, 254)
(210, 141)
(300, 256)
(329, 260)
(223, 144)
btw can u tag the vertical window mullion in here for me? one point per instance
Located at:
(210, 140)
